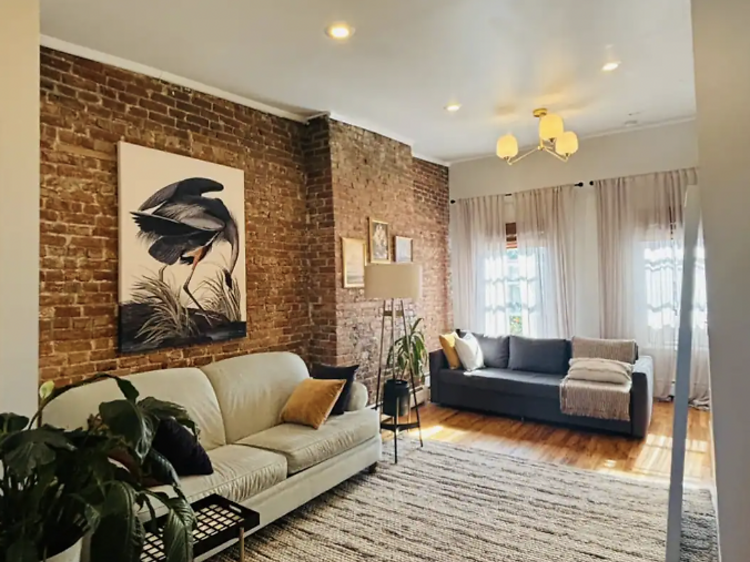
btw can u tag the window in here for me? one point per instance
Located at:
(506, 302)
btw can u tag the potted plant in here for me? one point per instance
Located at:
(57, 486)
(409, 353)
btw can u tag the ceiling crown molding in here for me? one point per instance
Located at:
(98, 56)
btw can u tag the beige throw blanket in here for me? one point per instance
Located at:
(597, 388)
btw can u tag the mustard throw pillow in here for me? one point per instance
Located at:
(312, 401)
(448, 343)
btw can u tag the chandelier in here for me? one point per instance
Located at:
(553, 139)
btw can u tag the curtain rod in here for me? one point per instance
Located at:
(579, 184)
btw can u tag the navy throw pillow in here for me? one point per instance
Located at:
(182, 449)
(327, 372)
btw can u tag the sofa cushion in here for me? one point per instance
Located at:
(239, 473)
(496, 351)
(448, 343)
(539, 355)
(328, 372)
(617, 350)
(519, 383)
(469, 352)
(311, 402)
(187, 387)
(252, 389)
(304, 446)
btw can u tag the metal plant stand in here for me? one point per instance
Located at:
(394, 424)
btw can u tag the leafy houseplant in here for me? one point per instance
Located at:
(57, 485)
(409, 352)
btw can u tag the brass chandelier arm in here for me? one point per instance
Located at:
(515, 159)
(556, 155)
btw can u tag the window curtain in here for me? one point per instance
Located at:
(641, 237)
(478, 247)
(546, 260)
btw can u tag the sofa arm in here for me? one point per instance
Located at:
(357, 398)
(437, 362)
(642, 398)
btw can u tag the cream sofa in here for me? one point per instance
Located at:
(270, 467)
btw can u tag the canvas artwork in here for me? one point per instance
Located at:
(353, 252)
(380, 242)
(182, 250)
(404, 249)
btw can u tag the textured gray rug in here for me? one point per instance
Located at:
(446, 503)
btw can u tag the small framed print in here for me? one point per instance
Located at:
(353, 255)
(380, 242)
(404, 249)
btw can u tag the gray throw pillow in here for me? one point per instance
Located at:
(495, 350)
(539, 355)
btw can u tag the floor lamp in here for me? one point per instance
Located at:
(392, 282)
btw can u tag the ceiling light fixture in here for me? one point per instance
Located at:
(611, 66)
(553, 139)
(339, 31)
(453, 107)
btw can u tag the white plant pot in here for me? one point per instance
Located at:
(73, 554)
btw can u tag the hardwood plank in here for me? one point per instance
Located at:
(649, 458)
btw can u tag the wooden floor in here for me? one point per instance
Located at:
(648, 458)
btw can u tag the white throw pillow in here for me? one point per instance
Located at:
(600, 370)
(469, 352)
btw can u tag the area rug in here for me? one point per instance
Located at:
(446, 503)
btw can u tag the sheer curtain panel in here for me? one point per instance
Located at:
(478, 245)
(545, 227)
(641, 255)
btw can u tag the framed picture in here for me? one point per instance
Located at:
(182, 250)
(380, 242)
(404, 249)
(353, 253)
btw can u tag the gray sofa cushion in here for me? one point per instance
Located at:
(519, 383)
(539, 355)
(496, 350)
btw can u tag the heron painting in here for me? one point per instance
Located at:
(182, 250)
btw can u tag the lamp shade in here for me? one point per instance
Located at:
(393, 281)
(507, 146)
(567, 144)
(550, 126)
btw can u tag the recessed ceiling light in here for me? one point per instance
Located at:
(453, 107)
(340, 31)
(610, 66)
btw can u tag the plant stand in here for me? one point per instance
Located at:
(394, 410)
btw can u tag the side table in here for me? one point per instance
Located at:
(219, 523)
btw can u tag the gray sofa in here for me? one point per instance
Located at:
(522, 379)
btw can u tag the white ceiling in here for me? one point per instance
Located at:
(409, 58)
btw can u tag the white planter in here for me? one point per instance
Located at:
(73, 554)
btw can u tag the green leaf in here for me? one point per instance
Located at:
(125, 419)
(128, 390)
(11, 423)
(22, 453)
(178, 530)
(120, 534)
(156, 465)
(167, 410)
(23, 550)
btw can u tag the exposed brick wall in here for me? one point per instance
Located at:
(374, 176)
(86, 107)
(321, 242)
(305, 187)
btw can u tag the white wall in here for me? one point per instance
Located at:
(657, 149)
(722, 65)
(19, 210)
